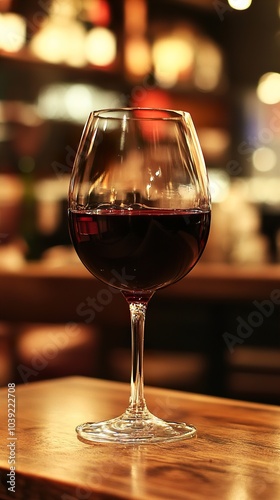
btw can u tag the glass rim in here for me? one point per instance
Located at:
(171, 114)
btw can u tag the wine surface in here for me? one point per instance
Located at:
(139, 250)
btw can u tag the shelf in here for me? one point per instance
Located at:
(41, 292)
(25, 58)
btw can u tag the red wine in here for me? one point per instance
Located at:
(139, 250)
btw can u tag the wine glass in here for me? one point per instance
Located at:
(139, 217)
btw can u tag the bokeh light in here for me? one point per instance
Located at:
(137, 56)
(268, 89)
(264, 159)
(172, 55)
(73, 102)
(12, 32)
(101, 46)
(240, 4)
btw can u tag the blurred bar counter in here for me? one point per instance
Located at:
(38, 291)
(214, 332)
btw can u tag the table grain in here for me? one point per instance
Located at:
(236, 455)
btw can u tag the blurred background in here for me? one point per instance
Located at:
(217, 59)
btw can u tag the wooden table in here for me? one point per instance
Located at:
(235, 456)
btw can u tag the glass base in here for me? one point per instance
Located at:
(139, 429)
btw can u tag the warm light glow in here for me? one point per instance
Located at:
(185, 55)
(12, 32)
(61, 38)
(5, 5)
(214, 142)
(240, 4)
(48, 44)
(75, 41)
(152, 98)
(171, 56)
(98, 12)
(101, 46)
(268, 89)
(78, 100)
(51, 102)
(264, 190)
(209, 66)
(264, 159)
(11, 189)
(219, 185)
(60, 43)
(135, 13)
(66, 9)
(72, 102)
(137, 56)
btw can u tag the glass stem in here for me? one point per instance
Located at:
(137, 405)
